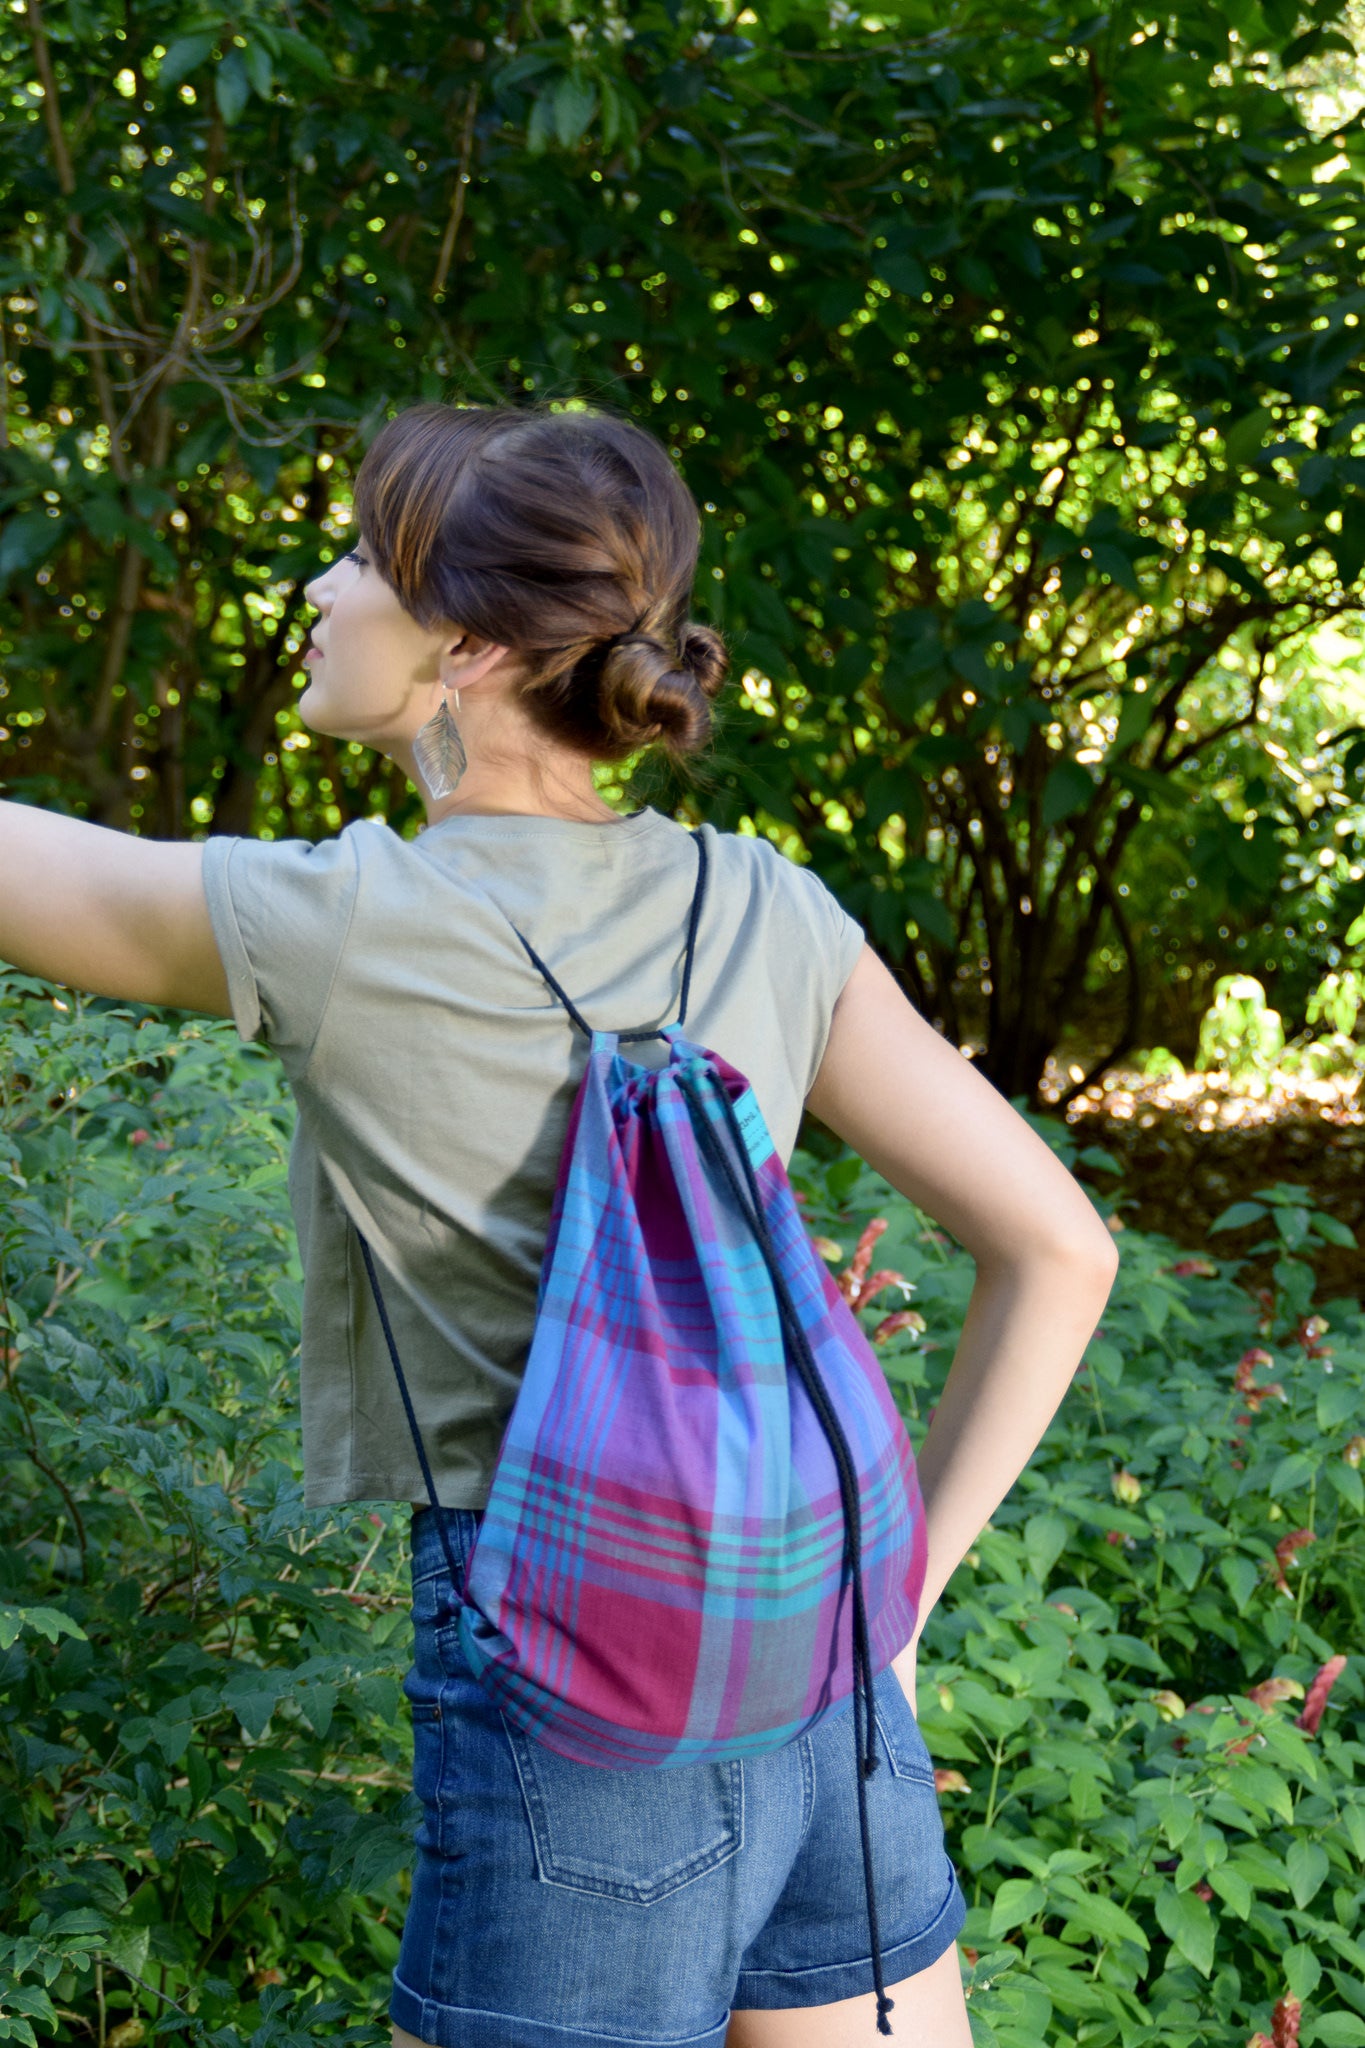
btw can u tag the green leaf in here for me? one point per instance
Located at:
(1176, 1815)
(1116, 565)
(541, 126)
(1338, 2029)
(1232, 1888)
(1068, 789)
(44, 1621)
(1237, 1217)
(903, 274)
(1353, 1820)
(1045, 1538)
(27, 541)
(1336, 1404)
(184, 55)
(231, 86)
(1188, 1924)
(303, 53)
(1262, 1786)
(1100, 1916)
(1236, 572)
(1347, 1481)
(1307, 1868)
(1241, 1576)
(1334, 1230)
(1292, 1473)
(1186, 1560)
(1136, 714)
(199, 1891)
(1155, 1302)
(931, 916)
(316, 1704)
(1302, 1969)
(253, 1709)
(259, 69)
(575, 104)
(613, 113)
(128, 1946)
(1016, 1900)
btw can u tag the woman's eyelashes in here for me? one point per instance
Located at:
(355, 556)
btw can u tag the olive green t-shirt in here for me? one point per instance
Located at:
(434, 1072)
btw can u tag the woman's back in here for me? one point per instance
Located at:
(435, 1072)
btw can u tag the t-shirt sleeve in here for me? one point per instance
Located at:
(841, 937)
(830, 943)
(280, 911)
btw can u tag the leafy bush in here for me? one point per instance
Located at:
(1134, 1683)
(1240, 1034)
(205, 1764)
(204, 1807)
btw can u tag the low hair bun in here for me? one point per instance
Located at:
(704, 652)
(650, 692)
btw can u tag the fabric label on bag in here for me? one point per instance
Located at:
(757, 1142)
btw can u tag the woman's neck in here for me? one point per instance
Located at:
(489, 792)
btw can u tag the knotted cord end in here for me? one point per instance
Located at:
(884, 2005)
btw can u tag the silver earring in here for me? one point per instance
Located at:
(439, 751)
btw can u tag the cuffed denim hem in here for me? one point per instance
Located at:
(461, 2026)
(827, 1983)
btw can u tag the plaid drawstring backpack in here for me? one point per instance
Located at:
(704, 1529)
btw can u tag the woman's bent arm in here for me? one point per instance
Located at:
(910, 1104)
(103, 911)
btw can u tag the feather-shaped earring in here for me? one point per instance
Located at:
(439, 751)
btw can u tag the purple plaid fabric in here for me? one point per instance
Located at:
(659, 1575)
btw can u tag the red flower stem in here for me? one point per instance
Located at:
(1303, 1572)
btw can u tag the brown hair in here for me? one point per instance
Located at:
(568, 537)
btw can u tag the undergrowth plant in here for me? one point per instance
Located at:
(1142, 1687)
(1143, 1684)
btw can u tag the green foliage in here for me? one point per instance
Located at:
(1151, 1855)
(1244, 1038)
(204, 1764)
(1240, 1034)
(204, 1761)
(1014, 351)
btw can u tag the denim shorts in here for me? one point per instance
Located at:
(560, 1905)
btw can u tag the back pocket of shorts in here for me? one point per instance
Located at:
(631, 1835)
(906, 1749)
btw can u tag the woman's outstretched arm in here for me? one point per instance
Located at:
(108, 913)
(917, 1111)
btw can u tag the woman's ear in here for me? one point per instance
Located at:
(466, 658)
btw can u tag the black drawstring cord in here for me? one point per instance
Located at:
(412, 1419)
(627, 1037)
(865, 1754)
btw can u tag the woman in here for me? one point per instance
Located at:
(538, 566)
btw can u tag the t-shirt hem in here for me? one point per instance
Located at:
(381, 1487)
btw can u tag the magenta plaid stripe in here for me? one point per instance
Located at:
(659, 1575)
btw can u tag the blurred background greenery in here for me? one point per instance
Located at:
(1013, 352)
